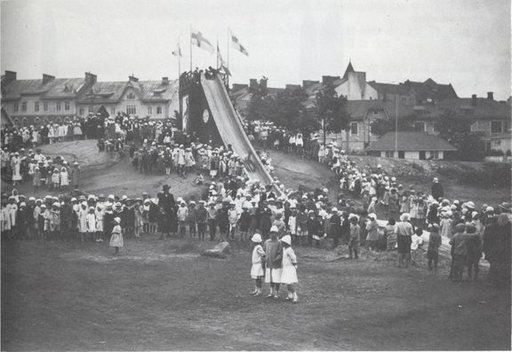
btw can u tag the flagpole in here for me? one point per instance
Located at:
(217, 63)
(227, 78)
(190, 45)
(179, 57)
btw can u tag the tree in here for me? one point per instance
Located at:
(380, 127)
(457, 131)
(331, 109)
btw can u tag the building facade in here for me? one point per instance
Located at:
(51, 99)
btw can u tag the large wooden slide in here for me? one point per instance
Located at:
(231, 129)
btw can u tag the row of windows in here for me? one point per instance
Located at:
(37, 106)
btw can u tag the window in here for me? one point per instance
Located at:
(24, 106)
(90, 109)
(401, 155)
(45, 106)
(112, 110)
(150, 110)
(57, 106)
(158, 110)
(36, 106)
(130, 96)
(131, 110)
(496, 127)
(81, 111)
(390, 154)
(419, 126)
(353, 128)
(66, 106)
(434, 155)
(506, 126)
(16, 107)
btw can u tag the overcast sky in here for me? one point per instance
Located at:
(463, 42)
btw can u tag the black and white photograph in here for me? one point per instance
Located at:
(265, 175)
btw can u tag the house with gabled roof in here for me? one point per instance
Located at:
(353, 85)
(29, 101)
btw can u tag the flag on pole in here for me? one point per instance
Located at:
(201, 42)
(237, 45)
(220, 59)
(177, 51)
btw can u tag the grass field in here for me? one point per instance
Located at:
(162, 295)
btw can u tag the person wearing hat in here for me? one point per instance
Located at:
(434, 242)
(55, 220)
(289, 269)
(116, 240)
(372, 228)
(258, 259)
(355, 235)
(74, 175)
(82, 220)
(497, 247)
(459, 252)
(474, 248)
(436, 189)
(404, 232)
(91, 224)
(273, 264)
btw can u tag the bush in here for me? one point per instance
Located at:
(491, 175)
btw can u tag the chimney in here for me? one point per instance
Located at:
(238, 86)
(132, 78)
(9, 77)
(253, 83)
(490, 95)
(90, 78)
(473, 100)
(329, 79)
(47, 78)
(263, 84)
(165, 81)
(306, 83)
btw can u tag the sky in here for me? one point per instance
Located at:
(462, 42)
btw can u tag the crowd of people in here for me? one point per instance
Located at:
(379, 192)
(236, 208)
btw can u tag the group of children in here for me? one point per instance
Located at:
(276, 263)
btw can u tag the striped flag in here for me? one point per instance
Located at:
(177, 51)
(237, 45)
(201, 42)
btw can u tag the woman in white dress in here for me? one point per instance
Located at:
(289, 271)
(15, 167)
(64, 178)
(257, 272)
(51, 134)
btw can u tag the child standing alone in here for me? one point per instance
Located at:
(116, 240)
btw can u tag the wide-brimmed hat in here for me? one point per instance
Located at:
(287, 239)
(256, 238)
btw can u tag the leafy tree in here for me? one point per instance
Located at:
(332, 109)
(457, 131)
(380, 127)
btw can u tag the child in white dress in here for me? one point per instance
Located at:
(257, 272)
(289, 273)
(116, 240)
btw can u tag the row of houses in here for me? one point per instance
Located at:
(423, 103)
(51, 99)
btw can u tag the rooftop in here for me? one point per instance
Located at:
(411, 141)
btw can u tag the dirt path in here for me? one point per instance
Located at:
(103, 174)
